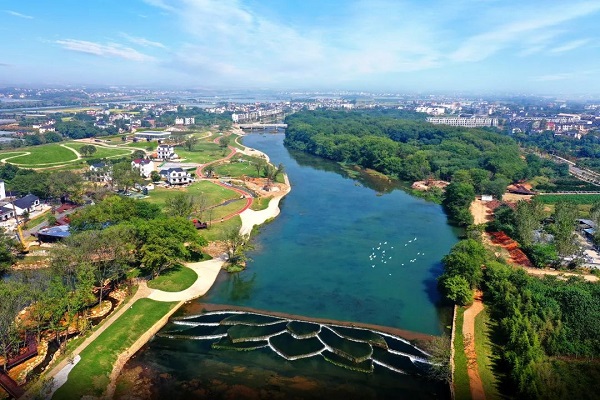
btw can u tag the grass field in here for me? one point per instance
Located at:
(260, 203)
(483, 349)
(101, 152)
(214, 194)
(91, 375)
(203, 153)
(174, 280)
(141, 145)
(461, 376)
(217, 231)
(44, 154)
(236, 168)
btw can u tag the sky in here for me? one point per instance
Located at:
(502, 46)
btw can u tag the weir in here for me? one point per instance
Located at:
(353, 346)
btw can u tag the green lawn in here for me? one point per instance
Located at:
(101, 152)
(461, 376)
(204, 152)
(174, 280)
(144, 145)
(214, 194)
(91, 375)
(236, 168)
(483, 348)
(260, 203)
(217, 231)
(44, 154)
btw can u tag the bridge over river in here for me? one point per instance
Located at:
(261, 126)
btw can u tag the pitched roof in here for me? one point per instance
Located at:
(5, 210)
(141, 161)
(26, 201)
(99, 165)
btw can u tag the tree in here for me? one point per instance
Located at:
(259, 165)
(180, 205)
(565, 214)
(66, 184)
(155, 176)
(209, 170)
(224, 141)
(138, 154)
(457, 289)
(8, 247)
(457, 200)
(236, 244)
(191, 142)
(528, 219)
(280, 170)
(125, 176)
(13, 297)
(87, 150)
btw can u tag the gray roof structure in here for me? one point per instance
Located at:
(26, 201)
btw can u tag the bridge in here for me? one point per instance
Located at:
(261, 126)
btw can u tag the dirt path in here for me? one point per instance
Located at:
(538, 271)
(479, 212)
(468, 328)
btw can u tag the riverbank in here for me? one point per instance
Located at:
(207, 272)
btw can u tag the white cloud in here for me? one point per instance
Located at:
(480, 46)
(17, 14)
(231, 43)
(103, 50)
(143, 41)
(570, 46)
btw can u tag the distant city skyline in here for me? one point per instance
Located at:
(537, 47)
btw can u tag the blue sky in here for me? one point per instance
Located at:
(532, 46)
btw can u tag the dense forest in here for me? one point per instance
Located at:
(546, 329)
(402, 145)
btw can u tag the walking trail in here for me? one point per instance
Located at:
(468, 329)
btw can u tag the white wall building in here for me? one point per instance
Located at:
(165, 152)
(2, 190)
(144, 166)
(467, 122)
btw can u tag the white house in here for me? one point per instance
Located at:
(6, 213)
(27, 203)
(144, 166)
(176, 176)
(165, 152)
(2, 190)
(101, 172)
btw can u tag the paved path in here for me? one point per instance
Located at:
(468, 328)
(61, 377)
(142, 292)
(207, 274)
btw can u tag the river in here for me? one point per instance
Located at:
(350, 248)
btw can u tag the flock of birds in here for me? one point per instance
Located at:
(379, 253)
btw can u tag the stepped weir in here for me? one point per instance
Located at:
(358, 347)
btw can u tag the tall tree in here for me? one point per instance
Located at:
(13, 297)
(528, 219)
(8, 247)
(190, 143)
(180, 205)
(565, 215)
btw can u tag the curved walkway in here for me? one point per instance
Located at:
(207, 274)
